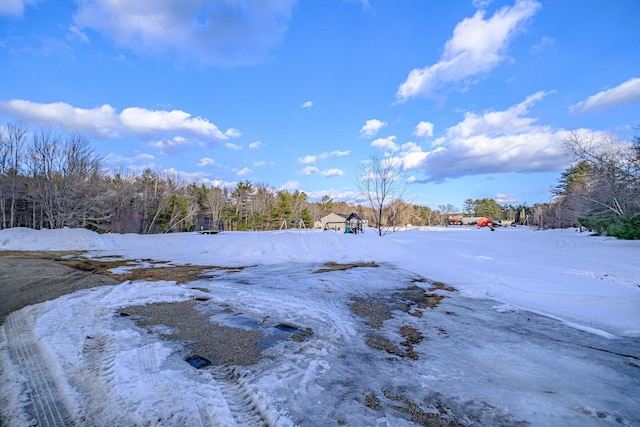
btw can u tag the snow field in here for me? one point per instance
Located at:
(543, 328)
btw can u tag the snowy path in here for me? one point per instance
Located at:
(45, 404)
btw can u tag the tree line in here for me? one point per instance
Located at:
(53, 180)
(600, 191)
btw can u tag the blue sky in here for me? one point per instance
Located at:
(472, 98)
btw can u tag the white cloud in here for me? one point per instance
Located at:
(424, 129)
(105, 122)
(117, 159)
(290, 186)
(307, 159)
(371, 128)
(173, 144)
(310, 158)
(544, 44)
(255, 145)
(244, 171)
(307, 104)
(387, 144)
(481, 4)
(141, 120)
(206, 161)
(625, 93)
(309, 170)
(232, 146)
(75, 33)
(505, 122)
(15, 7)
(101, 121)
(332, 172)
(202, 31)
(477, 46)
(348, 196)
(505, 199)
(216, 183)
(232, 133)
(492, 142)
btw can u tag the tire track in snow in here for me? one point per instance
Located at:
(244, 406)
(44, 404)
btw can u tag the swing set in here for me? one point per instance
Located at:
(292, 223)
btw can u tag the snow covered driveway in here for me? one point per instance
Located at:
(385, 347)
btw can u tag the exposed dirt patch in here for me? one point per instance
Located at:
(219, 344)
(51, 255)
(412, 336)
(372, 401)
(32, 277)
(36, 276)
(302, 335)
(378, 342)
(435, 286)
(176, 273)
(375, 311)
(417, 414)
(417, 297)
(413, 301)
(334, 266)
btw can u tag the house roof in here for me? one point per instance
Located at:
(346, 217)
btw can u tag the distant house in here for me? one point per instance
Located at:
(343, 223)
(334, 222)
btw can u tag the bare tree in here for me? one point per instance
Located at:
(11, 162)
(380, 182)
(66, 179)
(445, 211)
(216, 200)
(123, 202)
(605, 182)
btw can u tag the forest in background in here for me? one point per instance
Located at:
(52, 180)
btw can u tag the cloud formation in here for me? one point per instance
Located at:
(15, 7)
(309, 170)
(423, 129)
(206, 161)
(172, 127)
(387, 144)
(307, 104)
(312, 158)
(205, 31)
(332, 172)
(491, 142)
(477, 46)
(328, 173)
(244, 171)
(371, 128)
(625, 93)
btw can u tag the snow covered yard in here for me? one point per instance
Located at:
(438, 326)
